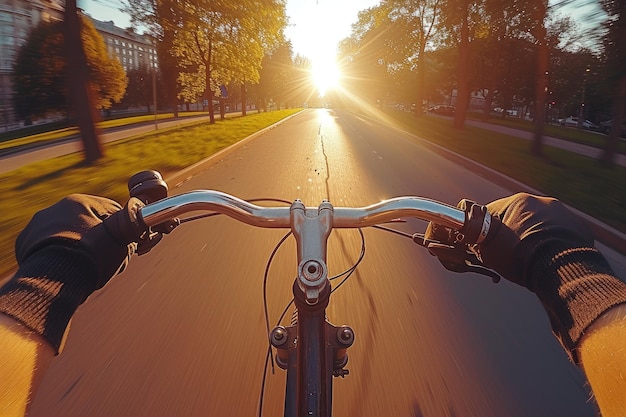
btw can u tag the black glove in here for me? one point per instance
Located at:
(527, 224)
(536, 242)
(65, 253)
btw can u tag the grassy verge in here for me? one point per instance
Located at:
(11, 139)
(577, 180)
(40, 184)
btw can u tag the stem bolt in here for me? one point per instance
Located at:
(345, 335)
(278, 336)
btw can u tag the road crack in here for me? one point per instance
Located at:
(327, 178)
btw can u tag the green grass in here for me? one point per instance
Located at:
(40, 184)
(577, 180)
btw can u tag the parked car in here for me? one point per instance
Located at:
(605, 127)
(585, 124)
(443, 109)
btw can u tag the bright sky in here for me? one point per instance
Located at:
(316, 26)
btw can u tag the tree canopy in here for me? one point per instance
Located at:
(220, 41)
(207, 44)
(40, 68)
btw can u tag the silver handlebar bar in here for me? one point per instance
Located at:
(279, 217)
(311, 226)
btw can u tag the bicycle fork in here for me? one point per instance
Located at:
(312, 350)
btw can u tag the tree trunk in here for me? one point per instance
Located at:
(619, 113)
(244, 99)
(541, 75)
(421, 82)
(79, 91)
(168, 69)
(209, 93)
(618, 63)
(462, 81)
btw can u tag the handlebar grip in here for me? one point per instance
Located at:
(479, 223)
(126, 225)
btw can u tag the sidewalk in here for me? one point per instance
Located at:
(13, 161)
(574, 147)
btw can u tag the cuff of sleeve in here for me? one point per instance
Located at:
(576, 286)
(47, 289)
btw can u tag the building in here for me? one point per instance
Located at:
(17, 18)
(132, 49)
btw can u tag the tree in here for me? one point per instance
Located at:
(386, 52)
(163, 19)
(39, 73)
(68, 54)
(500, 55)
(460, 22)
(540, 34)
(412, 26)
(615, 48)
(41, 65)
(368, 55)
(139, 90)
(81, 94)
(463, 90)
(276, 75)
(227, 40)
(261, 33)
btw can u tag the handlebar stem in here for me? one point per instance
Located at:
(316, 225)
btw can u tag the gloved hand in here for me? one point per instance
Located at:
(66, 252)
(536, 242)
(528, 224)
(97, 227)
(522, 224)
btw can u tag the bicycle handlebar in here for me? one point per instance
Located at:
(320, 350)
(311, 226)
(280, 217)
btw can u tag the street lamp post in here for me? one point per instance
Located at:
(154, 102)
(581, 111)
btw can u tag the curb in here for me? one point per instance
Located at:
(185, 174)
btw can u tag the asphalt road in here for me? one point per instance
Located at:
(181, 332)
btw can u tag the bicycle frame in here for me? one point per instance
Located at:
(312, 351)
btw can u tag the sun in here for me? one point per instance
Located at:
(326, 75)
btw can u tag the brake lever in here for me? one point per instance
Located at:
(455, 258)
(154, 235)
